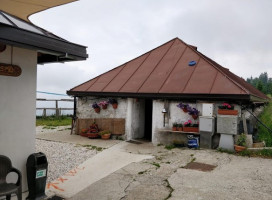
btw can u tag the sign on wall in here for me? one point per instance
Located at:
(10, 70)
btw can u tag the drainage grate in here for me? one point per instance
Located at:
(55, 198)
(200, 166)
(134, 142)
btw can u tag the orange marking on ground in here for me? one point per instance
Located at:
(62, 179)
(81, 168)
(71, 173)
(54, 185)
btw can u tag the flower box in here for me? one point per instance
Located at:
(191, 129)
(227, 112)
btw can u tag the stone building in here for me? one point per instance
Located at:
(149, 88)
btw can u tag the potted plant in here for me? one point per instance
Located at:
(227, 109)
(105, 135)
(190, 127)
(180, 127)
(84, 132)
(194, 113)
(175, 126)
(113, 102)
(184, 107)
(103, 104)
(241, 143)
(96, 107)
(93, 131)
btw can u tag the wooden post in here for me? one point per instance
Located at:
(44, 112)
(57, 109)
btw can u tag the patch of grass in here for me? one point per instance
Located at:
(264, 153)
(156, 164)
(159, 145)
(92, 147)
(53, 121)
(49, 127)
(263, 133)
(170, 146)
(168, 162)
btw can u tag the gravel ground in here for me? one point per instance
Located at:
(61, 157)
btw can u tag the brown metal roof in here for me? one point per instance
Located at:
(164, 71)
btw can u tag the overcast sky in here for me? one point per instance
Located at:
(236, 34)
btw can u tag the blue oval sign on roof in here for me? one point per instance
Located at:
(192, 63)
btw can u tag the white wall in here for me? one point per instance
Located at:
(18, 108)
(130, 109)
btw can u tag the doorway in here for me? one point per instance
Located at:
(148, 119)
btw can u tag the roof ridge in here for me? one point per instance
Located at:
(210, 61)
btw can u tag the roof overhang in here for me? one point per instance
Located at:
(24, 8)
(50, 49)
(188, 97)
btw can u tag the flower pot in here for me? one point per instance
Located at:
(239, 148)
(227, 112)
(195, 116)
(258, 145)
(180, 128)
(93, 135)
(105, 136)
(104, 107)
(97, 110)
(115, 105)
(191, 129)
(185, 110)
(174, 128)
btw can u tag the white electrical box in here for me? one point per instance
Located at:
(207, 109)
(206, 124)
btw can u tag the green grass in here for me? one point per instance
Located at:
(266, 118)
(264, 153)
(53, 121)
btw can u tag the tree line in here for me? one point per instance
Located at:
(262, 83)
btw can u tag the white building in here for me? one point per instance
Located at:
(23, 46)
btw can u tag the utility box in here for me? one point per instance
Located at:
(207, 109)
(206, 130)
(227, 124)
(36, 175)
(206, 124)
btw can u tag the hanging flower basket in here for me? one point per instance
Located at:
(104, 107)
(194, 117)
(115, 105)
(97, 110)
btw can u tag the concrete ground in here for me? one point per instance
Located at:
(165, 177)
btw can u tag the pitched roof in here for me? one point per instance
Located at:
(24, 8)
(165, 72)
(51, 48)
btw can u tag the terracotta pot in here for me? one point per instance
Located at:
(191, 129)
(97, 110)
(239, 148)
(115, 105)
(227, 112)
(105, 136)
(185, 110)
(195, 116)
(174, 128)
(258, 145)
(180, 128)
(92, 135)
(104, 107)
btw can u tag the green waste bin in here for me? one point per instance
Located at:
(36, 167)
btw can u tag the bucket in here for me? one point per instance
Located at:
(193, 142)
